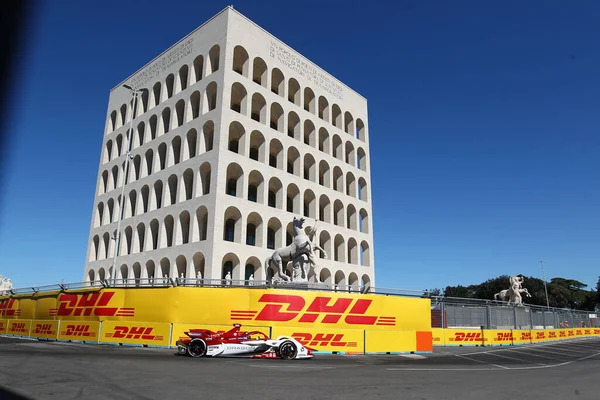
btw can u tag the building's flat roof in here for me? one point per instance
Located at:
(253, 23)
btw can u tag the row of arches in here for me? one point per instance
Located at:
(195, 267)
(254, 230)
(162, 193)
(169, 152)
(160, 124)
(257, 70)
(188, 75)
(158, 233)
(292, 125)
(289, 159)
(272, 192)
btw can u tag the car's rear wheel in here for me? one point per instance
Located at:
(288, 350)
(197, 348)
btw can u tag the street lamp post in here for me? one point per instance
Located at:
(545, 286)
(128, 156)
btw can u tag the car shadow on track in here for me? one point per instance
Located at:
(6, 394)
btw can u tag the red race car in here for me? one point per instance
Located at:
(238, 343)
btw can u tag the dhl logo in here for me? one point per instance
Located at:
(325, 309)
(578, 332)
(525, 335)
(18, 327)
(540, 335)
(466, 337)
(43, 329)
(76, 330)
(562, 334)
(7, 310)
(89, 304)
(596, 331)
(504, 337)
(587, 332)
(571, 333)
(320, 339)
(2, 325)
(123, 332)
(551, 335)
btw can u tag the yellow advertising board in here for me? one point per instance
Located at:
(347, 341)
(9, 308)
(390, 342)
(538, 336)
(521, 336)
(3, 326)
(140, 333)
(85, 331)
(45, 329)
(19, 327)
(44, 304)
(463, 337)
(438, 336)
(180, 329)
(496, 337)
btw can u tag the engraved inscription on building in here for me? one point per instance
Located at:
(305, 69)
(161, 65)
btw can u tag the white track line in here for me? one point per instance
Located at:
(482, 362)
(513, 358)
(534, 355)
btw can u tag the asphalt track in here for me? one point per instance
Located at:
(55, 370)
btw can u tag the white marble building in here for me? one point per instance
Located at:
(236, 135)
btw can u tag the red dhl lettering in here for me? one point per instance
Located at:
(324, 309)
(134, 332)
(467, 337)
(78, 330)
(551, 335)
(89, 304)
(18, 327)
(571, 333)
(43, 329)
(540, 335)
(504, 337)
(525, 335)
(562, 334)
(596, 331)
(587, 332)
(322, 339)
(578, 332)
(7, 308)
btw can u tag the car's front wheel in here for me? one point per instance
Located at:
(197, 348)
(288, 350)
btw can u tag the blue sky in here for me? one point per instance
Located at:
(484, 127)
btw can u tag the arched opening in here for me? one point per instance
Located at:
(363, 193)
(277, 82)
(310, 168)
(350, 158)
(293, 127)
(175, 153)
(323, 109)
(231, 267)
(214, 58)
(148, 161)
(361, 133)
(150, 270)
(362, 159)
(154, 231)
(353, 281)
(336, 116)
(256, 187)
(235, 180)
(338, 213)
(338, 148)
(325, 276)
(293, 199)
(208, 132)
(187, 185)
(274, 232)
(293, 161)
(257, 146)
(352, 218)
(165, 268)
(252, 269)
(203, 181)
(365, 281)
(171, 195)
(259, 72)
(198, 69)
(276, 154)
(241, 62)
(238, 98)
(182, 79)
(352, 251)
(199, 263)
(309, 100)
(141, 237)
(324, 175)
(338, 249)
(156, 91)
(338, 179)
(276, 117)
(162, 156)
(325, 243)
(237, 137)
(183, 234)
(191, 140)
(210, 99)
(365, 254)
(179, 113)
(275, 198)
(156, 201)
(294, 91)
(350, 184)
(170, 85)
(310, 135)
(324, 141)
(310, 204)
(254, 228)
(193, 106)
(200, 224)
(259, 108)
(165, 121)
(364, 221)
(166, 239)
(181, 265)
(232, 231)
(324, 209)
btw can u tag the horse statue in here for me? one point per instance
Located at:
(5, 285)
(301, 246)
(513, 294)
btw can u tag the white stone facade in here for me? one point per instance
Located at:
(237, 134)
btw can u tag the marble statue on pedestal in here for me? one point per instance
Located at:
(5, 285)
(300, 253)
(512, 295)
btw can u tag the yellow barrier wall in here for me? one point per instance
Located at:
(377, 341)
(497, 337)
(3, 327)
(19, 327)
(463, 337)
(438, 336)
(521, 336)
(45, 329)
(148, 333)
(347, 341)
(85, 331)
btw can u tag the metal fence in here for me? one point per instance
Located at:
(448, 312)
